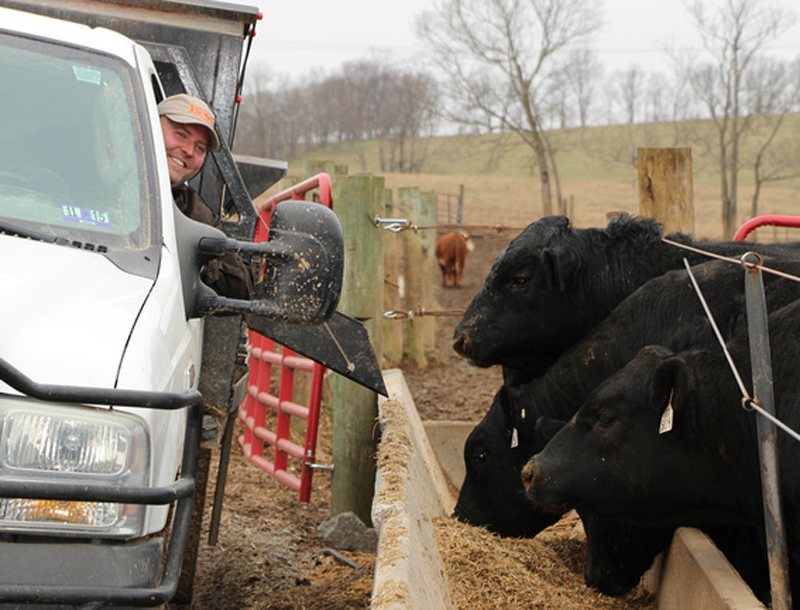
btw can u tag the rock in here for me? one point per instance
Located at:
(346, 532)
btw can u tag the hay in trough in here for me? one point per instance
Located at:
(488, 572)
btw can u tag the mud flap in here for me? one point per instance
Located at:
(341, 344)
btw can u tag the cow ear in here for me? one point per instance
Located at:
(514, 416)
(671, 393)
(560, 266)
(547, 428)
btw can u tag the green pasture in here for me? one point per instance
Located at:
(606, 153)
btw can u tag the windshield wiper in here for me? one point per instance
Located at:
(11, 229)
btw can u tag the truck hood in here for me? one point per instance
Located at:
(66, 313)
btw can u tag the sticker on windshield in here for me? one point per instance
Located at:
(87, 75)
(86, 216)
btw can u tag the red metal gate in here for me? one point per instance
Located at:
(777, 220)
(260, 407)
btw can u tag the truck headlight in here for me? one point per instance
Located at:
(44, 442)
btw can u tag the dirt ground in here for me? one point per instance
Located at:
(268, 555)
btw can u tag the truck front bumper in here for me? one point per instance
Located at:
(85, 572)
(32, 571)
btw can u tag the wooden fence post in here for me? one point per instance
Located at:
(414, 336)
(356, 201)
(666, 188)
(460, 213)
(392, 289)
(429, 289)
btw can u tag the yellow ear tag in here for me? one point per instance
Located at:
(666, 417)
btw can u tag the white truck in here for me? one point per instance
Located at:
(108, 335)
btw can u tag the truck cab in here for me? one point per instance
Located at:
(104, 319)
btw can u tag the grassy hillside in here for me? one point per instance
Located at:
(597, 171)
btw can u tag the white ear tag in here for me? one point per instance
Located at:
(514, 438)
(522, 413)
(666, 417)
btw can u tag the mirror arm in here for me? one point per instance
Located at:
(211, 247)
(211, 306)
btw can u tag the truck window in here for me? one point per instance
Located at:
(72, 160)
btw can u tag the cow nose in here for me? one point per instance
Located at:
(528, 474)
(460, 342)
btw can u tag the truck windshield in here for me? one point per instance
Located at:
(72, 159)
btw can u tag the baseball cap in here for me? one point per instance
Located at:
(187, 109)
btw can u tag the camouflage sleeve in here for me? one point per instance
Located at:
(228, 275)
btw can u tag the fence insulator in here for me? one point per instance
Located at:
(419, 312)
(395, 225)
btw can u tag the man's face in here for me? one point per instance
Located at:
(186, 146)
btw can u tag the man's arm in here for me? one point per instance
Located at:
(228, 275)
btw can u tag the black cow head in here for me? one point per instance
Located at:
(632, 450)
(554, 283)
(619, 553)
(492, 494)
(530, 287)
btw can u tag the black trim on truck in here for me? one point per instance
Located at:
(138, 587)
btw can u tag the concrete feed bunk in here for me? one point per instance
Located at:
(412, 490)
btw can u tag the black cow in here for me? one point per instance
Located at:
(494, 497)
(623, 457)
(553, 283)
(665, 310)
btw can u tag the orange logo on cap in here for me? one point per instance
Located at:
(204, 116)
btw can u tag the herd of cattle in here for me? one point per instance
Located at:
(601, 337)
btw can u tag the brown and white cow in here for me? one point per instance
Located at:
(451, 253)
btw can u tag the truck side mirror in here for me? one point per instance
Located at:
(303, 276)
(303, 265)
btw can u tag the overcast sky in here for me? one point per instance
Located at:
(297, 37)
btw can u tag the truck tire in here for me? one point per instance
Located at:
(183, 595)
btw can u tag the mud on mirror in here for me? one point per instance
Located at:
(304, 276)
(303, 264)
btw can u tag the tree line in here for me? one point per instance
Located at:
(366, 100)
(523, 68)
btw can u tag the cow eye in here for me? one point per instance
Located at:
(606, 419)
(519, 281)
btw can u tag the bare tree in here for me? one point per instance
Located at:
(558, 107)
(666, 100)
(732, 39)
(270, 123)
(408, 113)
(631, 87)
(354, 97)
(497, 58)
(583, 71)
(367, 100)
(771, 90)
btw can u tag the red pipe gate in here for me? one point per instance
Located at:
(260, 405)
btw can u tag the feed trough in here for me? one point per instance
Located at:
(418, 472)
